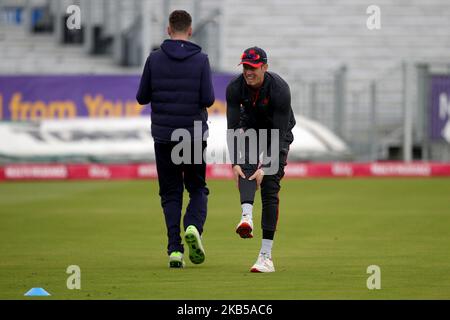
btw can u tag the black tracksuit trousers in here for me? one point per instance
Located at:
(270, 187)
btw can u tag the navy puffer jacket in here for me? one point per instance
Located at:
(177, 81)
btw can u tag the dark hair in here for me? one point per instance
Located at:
(180, 21)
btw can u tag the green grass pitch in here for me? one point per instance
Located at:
(329, 232)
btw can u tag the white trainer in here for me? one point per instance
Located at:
(245, 227)
(263, 264)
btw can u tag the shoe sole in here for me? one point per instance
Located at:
(196, 252)
(255, 270)
(176, 264)
(245, 230)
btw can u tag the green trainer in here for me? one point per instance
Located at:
(194, 242)
(176, 260)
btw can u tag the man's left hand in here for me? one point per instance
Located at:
(258, 175)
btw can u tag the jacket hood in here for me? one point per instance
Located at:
(180, 49)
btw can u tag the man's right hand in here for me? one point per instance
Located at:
(237, 171)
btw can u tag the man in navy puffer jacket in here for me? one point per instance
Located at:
(177, 81)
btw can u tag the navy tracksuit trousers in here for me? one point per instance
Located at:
(173, 178)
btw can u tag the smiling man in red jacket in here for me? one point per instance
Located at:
(258, 99)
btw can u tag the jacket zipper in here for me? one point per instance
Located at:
(256, 97)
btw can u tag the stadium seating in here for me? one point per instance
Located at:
(310, 37)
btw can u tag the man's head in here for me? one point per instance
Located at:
(254, 62)
(180, 25)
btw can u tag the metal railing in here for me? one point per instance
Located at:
(314, 100)
(354, 115)
(208, 35)
(387, 118)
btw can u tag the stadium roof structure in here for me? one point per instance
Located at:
(123, 140)
(312, 140)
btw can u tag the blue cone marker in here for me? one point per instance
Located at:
(37, 292)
